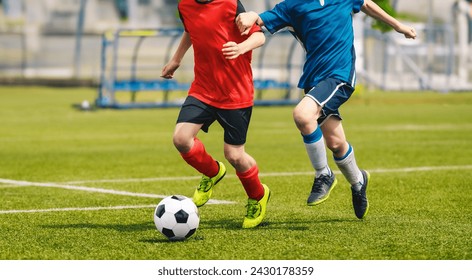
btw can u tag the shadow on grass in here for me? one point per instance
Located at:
(235, 225)
(299, 224)
(163, 240)
(226, 224)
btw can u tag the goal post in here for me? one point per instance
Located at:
(131, 61)
(129, 66)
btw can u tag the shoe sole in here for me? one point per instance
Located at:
(335, 182)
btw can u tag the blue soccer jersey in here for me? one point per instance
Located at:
(324, 28)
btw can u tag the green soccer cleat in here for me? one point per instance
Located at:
(204, 191)
(256, 210)
(359, 198)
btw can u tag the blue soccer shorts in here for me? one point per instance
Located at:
(330, 94)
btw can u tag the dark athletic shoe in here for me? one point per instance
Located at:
(359, 198)
(322, 187)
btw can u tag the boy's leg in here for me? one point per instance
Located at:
(192, 149)
(325, 180)
(342, 150)
(345, 159)
(194, 116)
(248, 173)
(197, 157)
(305, 115)
(236, 124)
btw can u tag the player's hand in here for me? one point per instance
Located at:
(169, 69)
(408, 31)
(231, 50)
(245, 21)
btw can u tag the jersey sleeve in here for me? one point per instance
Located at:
(357, 5)
(277, 18)
(240, 9)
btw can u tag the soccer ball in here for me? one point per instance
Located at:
(176, 217)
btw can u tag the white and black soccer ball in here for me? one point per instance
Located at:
(176, 217)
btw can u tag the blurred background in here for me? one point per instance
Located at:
(65, 42)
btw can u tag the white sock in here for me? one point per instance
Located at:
(316, 150)
(348, 166)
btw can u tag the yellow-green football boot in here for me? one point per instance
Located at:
(204, 191)
(256, 210)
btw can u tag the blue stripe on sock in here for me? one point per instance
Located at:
(313, 137)
(346, 155)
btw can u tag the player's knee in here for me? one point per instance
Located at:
(305, 117)
(181, 143)
(335, 145)
(235, 158)
(301, 118)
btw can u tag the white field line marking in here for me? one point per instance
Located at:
(77, 188)
(97, 190)
(122, 207)
(277, 174)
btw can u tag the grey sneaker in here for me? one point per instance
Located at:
(359, 198)
(322, 187)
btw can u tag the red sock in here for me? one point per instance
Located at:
(251, 183)
(199, 159)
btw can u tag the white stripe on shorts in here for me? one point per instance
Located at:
(327, 99)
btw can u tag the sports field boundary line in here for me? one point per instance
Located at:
(96, 190)
(278, 174)
(211, 201)
(74, 185)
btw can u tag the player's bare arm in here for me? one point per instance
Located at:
(245, 21)
(232, 50)
(373, 10)
(174, 63)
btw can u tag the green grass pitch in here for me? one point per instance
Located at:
(83, 185)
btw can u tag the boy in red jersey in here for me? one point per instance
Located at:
(222, 90)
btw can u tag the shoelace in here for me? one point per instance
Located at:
(253, 208)
(205, 184)
(358, 195)
(318, 184)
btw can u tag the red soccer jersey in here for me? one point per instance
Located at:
(219, 82)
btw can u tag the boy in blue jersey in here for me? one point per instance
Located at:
(324, 28)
